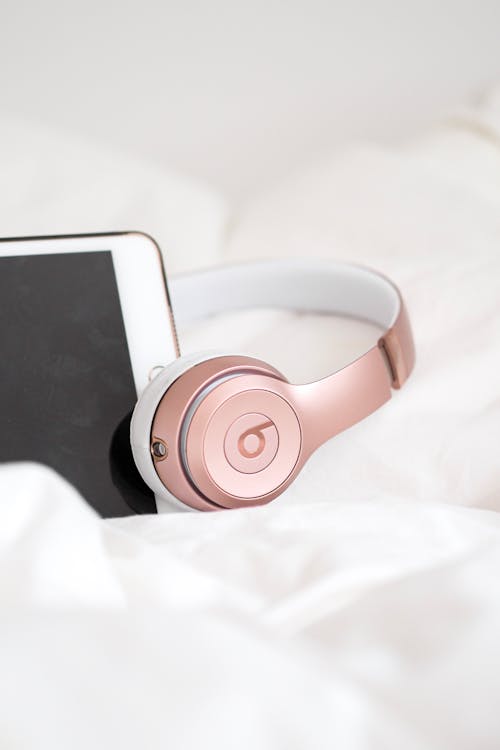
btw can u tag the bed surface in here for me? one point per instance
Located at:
(362, 608)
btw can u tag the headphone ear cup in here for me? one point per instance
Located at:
(142, 420)
(161, 418)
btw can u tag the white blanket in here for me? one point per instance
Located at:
(361, 609)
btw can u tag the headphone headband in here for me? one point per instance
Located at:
(307, 286)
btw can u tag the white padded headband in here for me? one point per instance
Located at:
(314, 286)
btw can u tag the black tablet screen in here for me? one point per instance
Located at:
(67, 390)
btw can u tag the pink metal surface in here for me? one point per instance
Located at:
(399, 348)
(213, 420)
(333, 404)
(305, 416)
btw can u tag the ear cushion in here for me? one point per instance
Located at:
(142, 419)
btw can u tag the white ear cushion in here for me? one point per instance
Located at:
(142, 419)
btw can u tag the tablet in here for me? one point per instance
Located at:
(85, 319)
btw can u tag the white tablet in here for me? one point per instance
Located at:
(84, 320)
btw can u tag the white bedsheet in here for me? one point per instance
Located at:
(360, 610)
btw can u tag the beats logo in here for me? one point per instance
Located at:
(251, 443)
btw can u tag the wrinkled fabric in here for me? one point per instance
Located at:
(369, 624)
(361, 609)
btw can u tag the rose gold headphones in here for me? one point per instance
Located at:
(222, 431)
